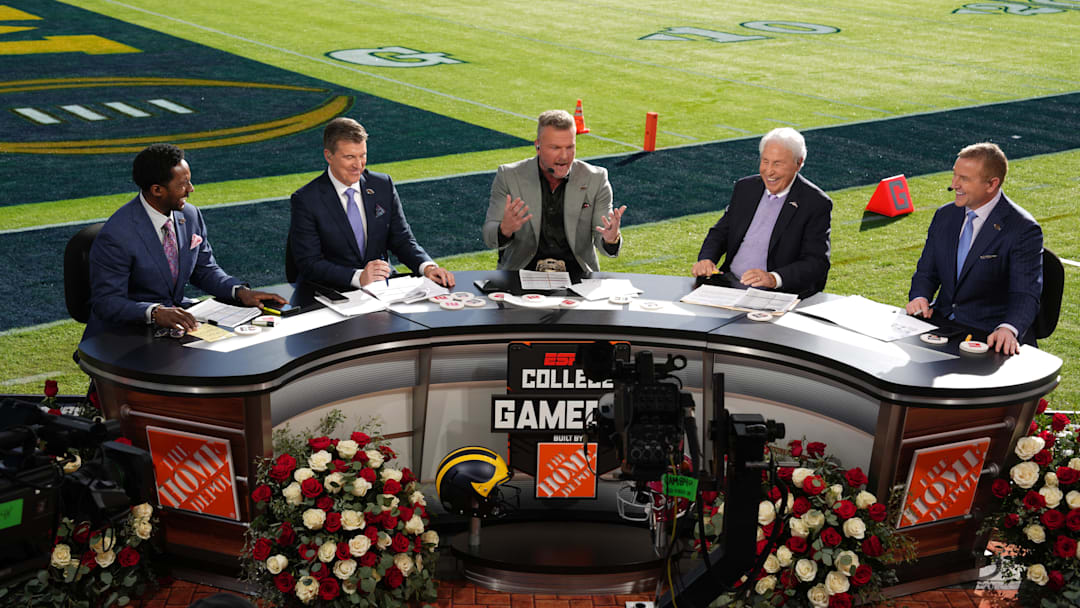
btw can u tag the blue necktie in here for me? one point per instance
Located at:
(355, 220)
(965, 242)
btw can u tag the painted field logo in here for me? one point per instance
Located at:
(392, 57)
(193, 472)
(942, 482)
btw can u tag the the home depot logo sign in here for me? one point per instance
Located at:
(942, 482)
(193, 472)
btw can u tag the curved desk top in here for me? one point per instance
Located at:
(904, 371)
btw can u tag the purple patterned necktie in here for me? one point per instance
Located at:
(353, 213)
(171, 254)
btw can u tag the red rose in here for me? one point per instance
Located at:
(329, 588)
(311, 487)
(1043, 458)
(1055, 580)
(340, 466)
(279, 473)
(1034, 426)
(95, 400)
(862, 575)
(855, 477)
(788, 580)
(286, 535)
(81, 533)
(830, 537)
(407, 475)
(815, 448)
(1072, 520)
(845, 509)
(761, 546)
(405, 514)
(1011, 519)
(319, 443)
(774, 494)
(1034, 501)
(813, 484)
(261, 493)
(1065, 547)
(89, 559)
(367, 474)
(840, 600)
(785, 473)
(361, 439)
(393, 577)
(55, 412)
(1058, 422)
(343, 551)
(389, 522)
(709, 497)
(391, 487)
(333, 522)
(800, 506)
(1048, 438)
(372, 533)
(286, 461)
(1067, 476)
(1052, 519)
(1042, 406)
(284, 582)
(307, 551)
(368, 559)
(325, 503)
(767, 529)
(878, 512)
(130, 557)
(387, 453)
(797, 544)
(51, 388)
(795, 447)
(262, 549)
(871, 546)
(1000, 488)
(320, 571)
(360, 456)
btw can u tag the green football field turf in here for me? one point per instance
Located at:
(726, 70)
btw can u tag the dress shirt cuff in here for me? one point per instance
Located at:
(613, 248)
(150, 313)
(356, 279)
(237, 287)
(424, 266)
(1010, 328)
(779, 283)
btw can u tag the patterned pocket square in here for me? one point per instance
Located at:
(195, 241)
(987, 257)
(379, 211)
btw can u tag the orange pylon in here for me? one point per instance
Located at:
(579, 119)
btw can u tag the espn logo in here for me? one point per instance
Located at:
(559, 359)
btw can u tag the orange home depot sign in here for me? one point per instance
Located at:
(193, 472)
(942, 482)
(563, 472)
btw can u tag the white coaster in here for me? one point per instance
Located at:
(498, 296)
(619, 299)
(759, 316)
(974, 347)
(933, 339)
(462, 295)
(569, 303)
(650, 305)
(440, 298)
(475, 302)
(247, 330)
(451, 305)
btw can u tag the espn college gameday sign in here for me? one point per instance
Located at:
(193, 472)
(942, 482)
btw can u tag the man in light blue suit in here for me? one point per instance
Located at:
(152, 247)
(983, 256)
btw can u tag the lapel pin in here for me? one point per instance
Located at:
(369, 191)
(180, 220)
(584, 205)
(794, 204)
(997, 227)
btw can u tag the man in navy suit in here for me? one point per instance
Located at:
(346, 220)
(775, 232)
(997, 247)
(152, 247)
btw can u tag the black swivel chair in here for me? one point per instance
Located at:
(1050, 302)
(77, 272)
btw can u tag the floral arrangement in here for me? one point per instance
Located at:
(1039, 514)
(338, 526)
(836, 545)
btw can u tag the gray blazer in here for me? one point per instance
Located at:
(587, 200)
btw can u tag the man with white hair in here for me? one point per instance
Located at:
(775, 232)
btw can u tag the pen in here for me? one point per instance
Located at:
(968, 338)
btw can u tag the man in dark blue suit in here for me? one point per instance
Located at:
(346, 220)
(775, 232)
(983, 256)
(152, 247)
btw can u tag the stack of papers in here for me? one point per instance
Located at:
(747, 300)
(405, 289)
(869, 318)
(356, 302)
(534, 280)
(602, 289)
(218, 313)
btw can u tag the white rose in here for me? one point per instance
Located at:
(846, 562)
(359, 545)
(760, 534)
(834, 493)
(765, 584)
(799, 475)
(314, 519)
(836, 582)
(403, 563)
(417, 498)
(772, 564)
(61, 555)
(352, 520)
(384, 540)
(299, 475)
(1036, 573)
(374, 458)
(766, 513)
(798, 527)
(1050, 479)
(292, 494)
(334, 482)
(1035, 533)
(143, 511)
(345, 568)
(360, 486)
(1074, 464)
(1025, 474)
(105, 559)
(431, 537)
(1052, 495)
(71, 467)
(864, 499)
(1073, 499)
(814, 519)
(818, 596)
(784, 555)
(854, 528)
(327, 552)
(276, 563)
(347, 449)
(391, 501)
(1027, 447)
(103, 542)
(319, 460)
(387, 474)
(306, 589)
(790, 503)
(415, 525)
(348, 587)
(143, 529)
(806, 570)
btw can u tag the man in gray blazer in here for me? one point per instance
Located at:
(573, 216)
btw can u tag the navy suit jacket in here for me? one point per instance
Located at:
(799, 245)
(129, 273)
(323, 244)
(1001, 281)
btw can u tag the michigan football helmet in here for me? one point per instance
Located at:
(468, 482)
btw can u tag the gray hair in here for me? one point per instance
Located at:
(559, 119)
(787, 137)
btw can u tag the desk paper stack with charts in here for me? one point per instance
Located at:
(747, 300)
(869, 318)
(226, 315)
